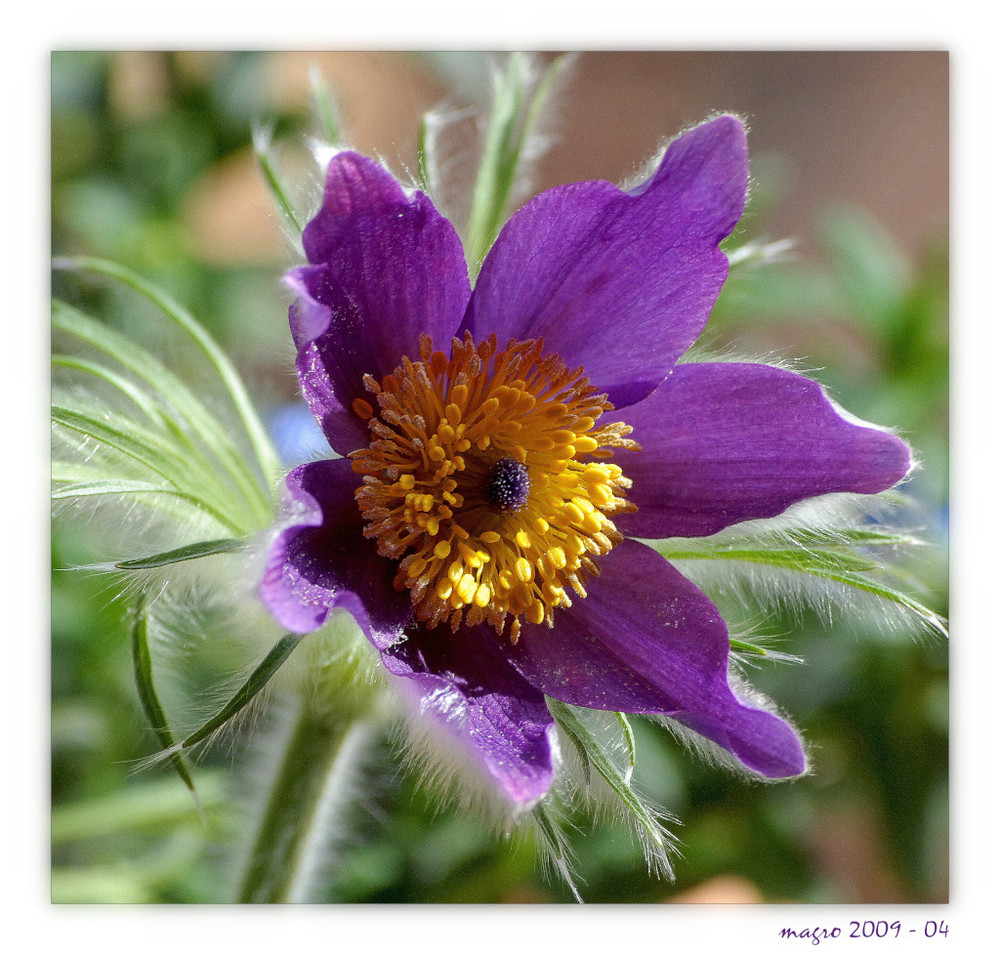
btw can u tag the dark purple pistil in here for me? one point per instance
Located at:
(508, 486)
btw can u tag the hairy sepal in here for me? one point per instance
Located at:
(600, 759)
(832, 556)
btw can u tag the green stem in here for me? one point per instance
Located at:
(314, 780)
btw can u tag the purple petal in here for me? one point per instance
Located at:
(385, 267)
(646, 640)
(722, 443)
(465, 683)
(621, 283)
(320, 560)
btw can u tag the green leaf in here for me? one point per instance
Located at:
(257, 681)
(814, 560)
(179, 412)
(324, 108)
(518, 100)
(424, 154)
(595, 754)
(102, 486)
(844, 554)
(556, 845)
(927, 616)
(147, 450)
(225, 545)
(260, 442)
(164, 498)
(174, 440)
(629, 739)
(143, 668)
(149, 407)
(262, 149)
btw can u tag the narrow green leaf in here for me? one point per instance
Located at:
(225, 545)
(141, 445)
(495, 175)
(74, 472)
(517, 106)
(108, 486)
(597, 756)
(581, 751)
(796, 559)
(629, 737)
(555, 841)
(858, 536)
(139, 397)
(174, 394)
(760, 253)
(866, 584)
(136, 359)
(263, 448)
(181, 446)
(262, 149)
(324, 108)
(830, 554)
(423, 155)
(162, 497)
(143, 448)
(257, 681)
(143, 667)
(161, 452)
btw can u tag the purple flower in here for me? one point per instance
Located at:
(503, 445)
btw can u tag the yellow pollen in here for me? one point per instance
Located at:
(416, 567)
(467, 588)
(442, 549)
(573, 512)
(488, 478)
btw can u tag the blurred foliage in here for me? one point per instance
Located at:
(139, 143)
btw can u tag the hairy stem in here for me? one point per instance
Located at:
(314, 781)
(322, 766)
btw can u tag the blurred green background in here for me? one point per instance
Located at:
(152, 167)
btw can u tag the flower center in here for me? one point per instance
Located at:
(487, 478)
(508, 486)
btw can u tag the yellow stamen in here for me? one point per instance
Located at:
(442, 549)
(482, 541)
(362, 409)
(524, 570)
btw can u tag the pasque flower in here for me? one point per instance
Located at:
(503, 448)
